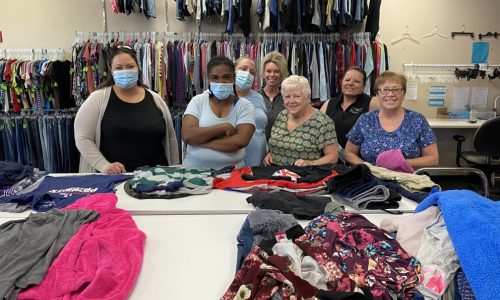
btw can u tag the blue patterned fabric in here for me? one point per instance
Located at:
(413, 134)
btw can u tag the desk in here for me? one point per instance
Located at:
(450, 123)
(444, 129)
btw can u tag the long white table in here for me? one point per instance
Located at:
(216, 202)
(189, 256)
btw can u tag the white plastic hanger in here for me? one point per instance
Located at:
(434, 33)
(405, 36)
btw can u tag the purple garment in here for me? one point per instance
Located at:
(394, 160)
(180, 76)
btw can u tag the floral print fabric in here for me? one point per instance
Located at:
(354, 253)
(364, 253)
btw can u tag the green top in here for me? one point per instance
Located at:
(305, 142)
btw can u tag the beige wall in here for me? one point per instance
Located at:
(52, 23)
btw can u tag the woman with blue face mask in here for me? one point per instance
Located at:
(123, 125)
(217, 126)
(245, 75)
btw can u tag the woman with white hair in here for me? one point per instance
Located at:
(301, 135)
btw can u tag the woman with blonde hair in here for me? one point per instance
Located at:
(274, 70)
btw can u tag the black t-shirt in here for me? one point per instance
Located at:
(132, 133)
(344, 120)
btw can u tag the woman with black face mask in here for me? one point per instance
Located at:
(216, 125)
(123, 125)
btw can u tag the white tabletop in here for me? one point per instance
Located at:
(190, 256)
(216, 202)
(450, 123)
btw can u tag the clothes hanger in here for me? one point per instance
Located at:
(405, 36)
(471, 34)
(434, 33)
(489, 34)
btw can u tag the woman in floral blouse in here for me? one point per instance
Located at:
(392, 130)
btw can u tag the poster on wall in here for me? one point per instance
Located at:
(479, 97)
(437, 94)
(480, 52)
(460, 95)
(411, 91)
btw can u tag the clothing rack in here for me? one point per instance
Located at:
(447, 72)
(32, 54)
(44, 140)
(153, 36)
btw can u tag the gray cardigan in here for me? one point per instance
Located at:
(88, 131)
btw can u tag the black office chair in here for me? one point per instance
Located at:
(487, 145)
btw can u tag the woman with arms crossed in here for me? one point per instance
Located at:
(217, 126)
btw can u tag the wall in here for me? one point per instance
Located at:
(52, 23)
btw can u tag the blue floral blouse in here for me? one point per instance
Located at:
(413, 134)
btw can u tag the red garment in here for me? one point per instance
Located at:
(102, 260)
(352, 58)
(378, 53)
(89, 78)
(339, 58)
(235, 181)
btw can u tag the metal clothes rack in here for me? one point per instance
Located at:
(32, 54)
(441, 72)
(153, 36)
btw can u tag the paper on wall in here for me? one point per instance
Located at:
(479, 97)
(411, 91)
(437, 95)
(460, 95)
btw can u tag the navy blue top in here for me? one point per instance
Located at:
(58, 192)
(411, 136)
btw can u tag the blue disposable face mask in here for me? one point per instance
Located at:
(244, 80)
(221, 91)
(126, 78)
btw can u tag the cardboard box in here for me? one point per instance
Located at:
(442, 113)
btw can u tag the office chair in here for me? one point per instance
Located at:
(487, 145)
(452, 178)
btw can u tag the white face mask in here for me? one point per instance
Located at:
(244, 80)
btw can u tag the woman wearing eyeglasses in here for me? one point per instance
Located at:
(123, 125)
(392, 137)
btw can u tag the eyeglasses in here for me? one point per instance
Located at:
(396, 91)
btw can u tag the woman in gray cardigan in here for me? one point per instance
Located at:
(123, 125)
